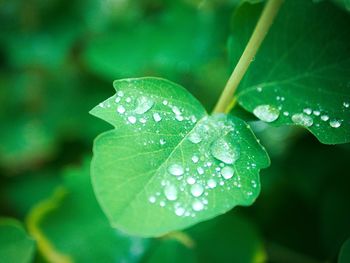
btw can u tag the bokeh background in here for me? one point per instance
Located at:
(58, 59)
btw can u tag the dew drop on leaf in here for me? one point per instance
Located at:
(266, 113)
(179, 211)
(197, 205)
(211, 183)
(157, 117)
(170, 192)
(197, 190)
(302, 119)
(335, 123)
(144, 104)
(194, 137)
(121, 109)
(324, 117)
(227, 172)
(224, 151)
(176, 169)
(132, 119)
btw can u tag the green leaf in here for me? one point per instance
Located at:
(344, 255)
(15, 244)
(70, 226)
(168, 165)
(175, 42)
(236, 240)
(301, 74)
(170, 251)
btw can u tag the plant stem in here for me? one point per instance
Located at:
(265, 21)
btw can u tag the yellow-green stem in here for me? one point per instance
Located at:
(265, 21)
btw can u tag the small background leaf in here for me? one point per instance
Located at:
(15, 244)
(301, 70)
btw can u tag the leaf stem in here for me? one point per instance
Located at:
(265, 21)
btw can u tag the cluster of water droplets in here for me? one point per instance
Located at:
(188, 183)
(140, 111)
(307, 118)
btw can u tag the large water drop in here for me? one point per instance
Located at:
(176, 169)
(266, 113)
(224, 151)
(144, 104)
(302, 119)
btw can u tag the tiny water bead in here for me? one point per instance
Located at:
(179, 211)
(197, 205)
(197, 190)
(211, 183)
(170, 192)
(195, 159)
(176, 169)
(120, 109)
(157, 117)
(335, 123)
(144, 104)
(302, 119)
(152, 199)
(346, 104)
(227, 172)
(194, 137)
(266, 113)
(132, 119)
(191, 180)
(308, 111)
(224, 151)
(324, 117)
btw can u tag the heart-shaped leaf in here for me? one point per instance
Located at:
(167, 164)
(301, 73)
(15, 244)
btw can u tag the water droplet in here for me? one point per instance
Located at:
(193, 118)
(162, 203)
(128, 99)
(117, 99)
(152, 199)
(302, 119)
(194, 137)
(157, 117)
(197, 205)
(170, 192)
(317, 113)
(223, 151)
(191, 180)
(335, 123)
(121, 109)
(179, 117)
(197, 190)
(211, 183)
(324, 117)
(132, 119)
(165, 102)
(195, 159)
(308, 111)
(176, 169)
(144, 104)
(286, 113)
(162, 141)
(346, 104)
(200, 170)
(101, 105)
(179, 211)
(227, 172)
(266, 113)
(176, 110)
(120, 93)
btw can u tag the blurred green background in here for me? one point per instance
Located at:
(58, 59)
